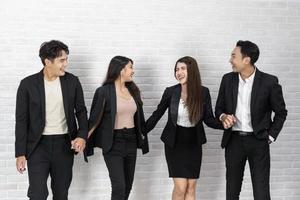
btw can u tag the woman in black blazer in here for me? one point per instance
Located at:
(115, 125)
(189, 105)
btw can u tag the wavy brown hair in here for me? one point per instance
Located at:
(194, 88)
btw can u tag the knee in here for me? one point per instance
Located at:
(60, 196)
(261, 195)
(60, 192)
(191, 189)
(119, 188)
(37, 193)
(180, 190)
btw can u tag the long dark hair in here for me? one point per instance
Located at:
(115, 67)
(194, 88)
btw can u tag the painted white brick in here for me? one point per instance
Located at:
(154, 34)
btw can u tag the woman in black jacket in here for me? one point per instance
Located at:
(189, 105)
(115, 125)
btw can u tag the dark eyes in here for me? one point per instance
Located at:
(182, 68)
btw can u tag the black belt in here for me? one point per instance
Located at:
(242, 133)
(58, 136)
(127, 131)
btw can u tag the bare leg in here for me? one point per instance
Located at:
(180, 188)
(191, 189)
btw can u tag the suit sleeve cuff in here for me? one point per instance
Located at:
(220, 118)
(271, 138)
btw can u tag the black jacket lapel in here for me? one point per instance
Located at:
(235, 88)
(175, 103)
(255, 88)
(64, 90)
(113, 103)
(41, 88)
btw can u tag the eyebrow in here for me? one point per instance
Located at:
(61, 59)
(180, 67)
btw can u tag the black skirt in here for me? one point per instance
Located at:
(184, 160)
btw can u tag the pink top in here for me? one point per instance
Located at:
(126, 109)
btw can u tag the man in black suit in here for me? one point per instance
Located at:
(247, 98)
(46, 129)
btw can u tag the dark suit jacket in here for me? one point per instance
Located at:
(30, 111)
(170, 99)
(266, 97)
(102, 136)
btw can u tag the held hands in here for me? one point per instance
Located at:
(227, 120)
(20, 164)
(78, 144)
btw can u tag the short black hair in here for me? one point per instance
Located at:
(249, 49)
(52, 49)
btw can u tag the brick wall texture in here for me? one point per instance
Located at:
(154, 34)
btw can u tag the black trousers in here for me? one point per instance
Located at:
(257, 152)
(53, 156)
(120, 162)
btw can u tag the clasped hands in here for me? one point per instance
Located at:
(227, 120)
(78, 144)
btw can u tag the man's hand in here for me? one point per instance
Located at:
(21, 163)
(227, 120)
(78, 144)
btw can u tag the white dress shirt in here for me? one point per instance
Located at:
(183, 115)
(242, 113)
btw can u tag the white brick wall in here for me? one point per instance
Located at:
(154, 34)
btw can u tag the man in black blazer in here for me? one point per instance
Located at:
(247, 98)
(46, 128)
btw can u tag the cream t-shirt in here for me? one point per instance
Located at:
(56, 123)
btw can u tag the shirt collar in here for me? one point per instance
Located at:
(249, 79)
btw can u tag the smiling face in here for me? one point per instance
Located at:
(237, 61)
(57, 66)
(127, 72)
(181, 73)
